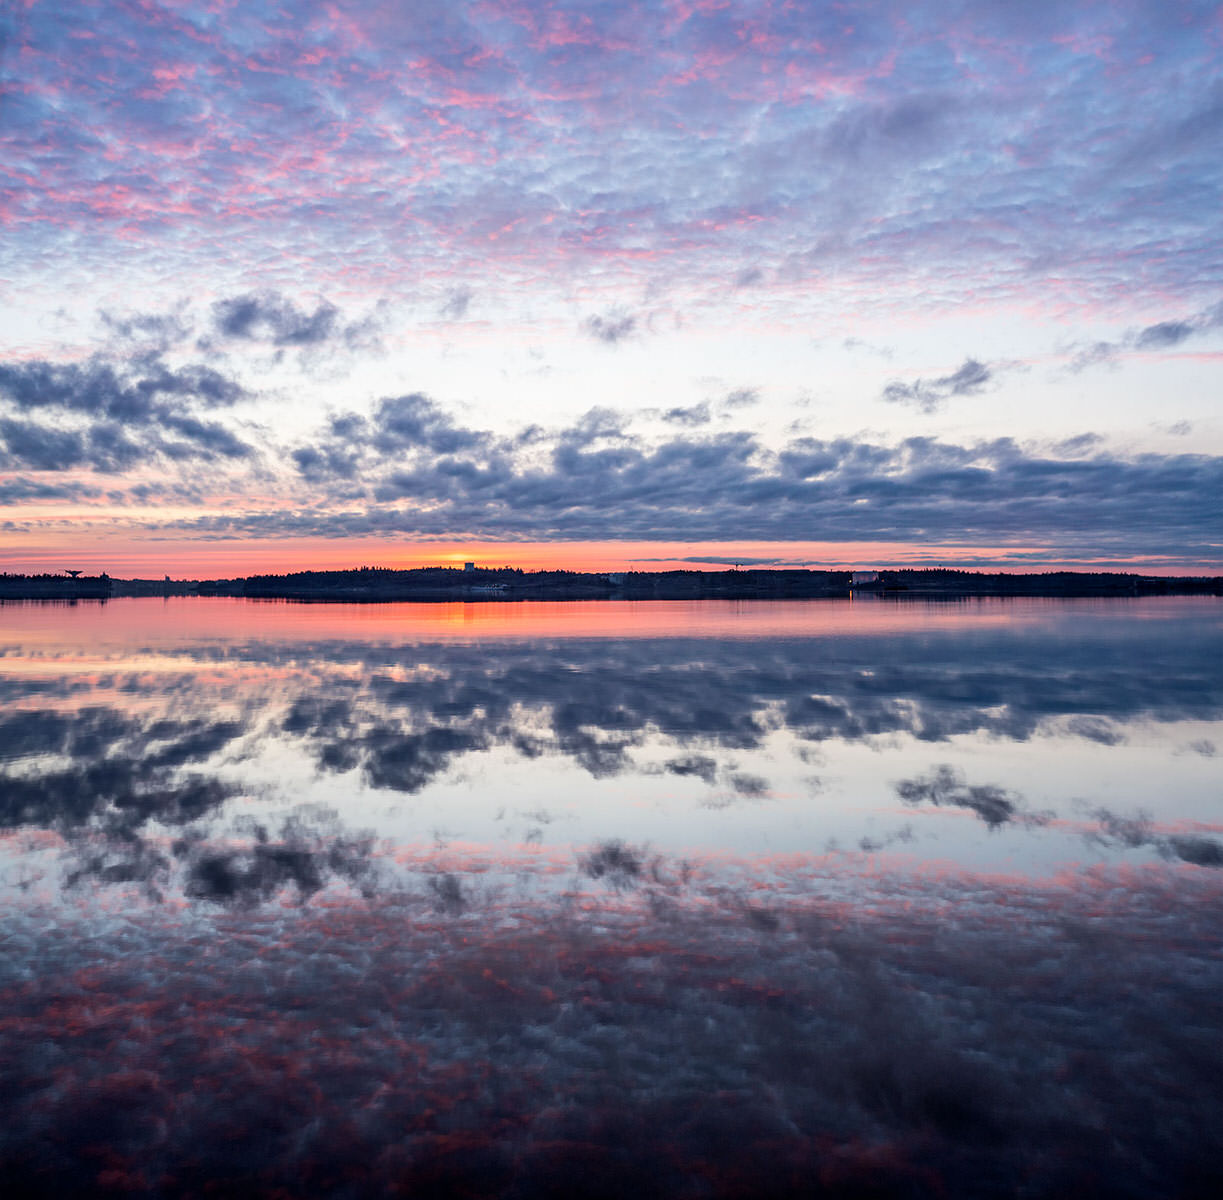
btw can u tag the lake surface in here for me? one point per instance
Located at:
(682, 898)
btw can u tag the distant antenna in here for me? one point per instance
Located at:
(71, 574)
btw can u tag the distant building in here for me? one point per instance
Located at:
(864, 579)
(468, 568)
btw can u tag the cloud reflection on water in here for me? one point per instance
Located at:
(171, 747)
(405, 713)
(207, 980)
(836, 1032)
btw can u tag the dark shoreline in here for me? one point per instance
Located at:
(445, 584)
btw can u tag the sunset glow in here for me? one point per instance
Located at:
(124, 557)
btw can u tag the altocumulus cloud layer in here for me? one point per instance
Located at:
(757, 143)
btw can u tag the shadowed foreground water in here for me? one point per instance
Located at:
(763, 900)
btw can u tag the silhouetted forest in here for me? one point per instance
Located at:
(504, 583)
(513, 583)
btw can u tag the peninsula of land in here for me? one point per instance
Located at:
(471, 583)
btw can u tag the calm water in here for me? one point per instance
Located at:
(689, 899)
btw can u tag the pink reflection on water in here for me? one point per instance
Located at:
(157, 622)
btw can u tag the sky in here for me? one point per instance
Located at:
(610, 285)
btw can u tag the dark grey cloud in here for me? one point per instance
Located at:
(247, 865)
(121, 770)
(99, 859)
(615, 863)
(1200, 851)
(134, 391)
(693, 415)
(596, 424)
(1079, 444)
(111, 415)
(408, 443)
(1095, 729)
(599, 479)
(699, 765)
(946, 787)
(272, 318)
(744, 397)
(339, 454)
(107, 446)
(447, 892)
(1137, 831)
(610, 328)
(414, 422)
(928, 395)
(1161, 335)
(118, 791)
(37, 447)
(200, 439)
(744, 783)
(20, 489)
(407, 760)
(112, 446)
(304, 854)
(266, 318)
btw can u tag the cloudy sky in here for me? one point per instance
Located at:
(610, 284)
